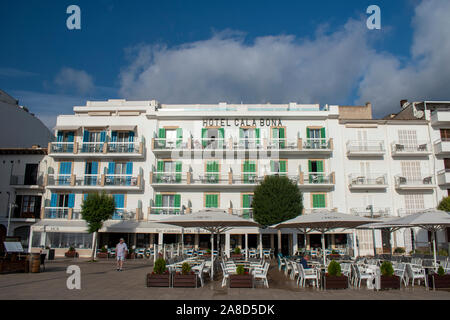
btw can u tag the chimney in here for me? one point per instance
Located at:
(402, 103)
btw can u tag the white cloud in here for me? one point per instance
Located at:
(426, 76)
(340, 67)
(15, 73)
(71, 80)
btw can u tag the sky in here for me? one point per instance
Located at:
(235, 51)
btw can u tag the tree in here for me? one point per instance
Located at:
(96, 209)
(444, 205)
(275, 200)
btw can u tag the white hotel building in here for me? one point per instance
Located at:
(159, 159)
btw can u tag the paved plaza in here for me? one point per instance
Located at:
(100, 280)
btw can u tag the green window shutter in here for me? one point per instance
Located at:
(308, 133)
(319, 166)
(314, 198)
(207, 201)
(322, 133)
(257, 134)
(282, 134)
(241, 133)
(245, 201)
(178, 167)
(272, 166)
(158, 201)
(275, 133)
(318, 201)
(204, 136)
(177, 200)
(309, 166)
(253, 167)
(179, 137)
(162, 133)
(215, 201)
(160, 167)
(282, 166)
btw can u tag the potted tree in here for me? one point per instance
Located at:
(440, 279)
(236, 253)
(334, 279)
(160, 276)
(399, 251)
(71, 253)
(185, 278)
(103, 253)
(241, 279)
(387, 279)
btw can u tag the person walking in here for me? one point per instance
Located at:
(121, 251)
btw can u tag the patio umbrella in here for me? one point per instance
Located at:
(324, 221)
(212, 220)
(431, 220)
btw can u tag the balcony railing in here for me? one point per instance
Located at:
(61, 147)
(317, 144)
(59, 179)
(88, 180)
(245, 213)
(20, 180)
(315, 210)
(165, 210)
(403, 148)
(56, 212)
(123, 147)
(247, 178)
(121, 180)
(371, 146)
(377, 212)
(76, 214)
(169, 177)
(361, 180)
(401, 181)
(92, 147)
(210, 178)
(404, 211)
(316, 178)
(122, 214)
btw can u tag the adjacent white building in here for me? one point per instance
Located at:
(157, 160)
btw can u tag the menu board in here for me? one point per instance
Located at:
(13, 246)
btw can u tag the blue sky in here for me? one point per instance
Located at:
(183, 51)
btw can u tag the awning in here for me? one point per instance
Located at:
(123, 127)
(60, 226)
(67, 127)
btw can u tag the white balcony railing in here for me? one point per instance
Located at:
(20, 180)
(401, 181)
(92, 147)
(61, 147)
(59, 179)
(246, 213)
(169, 177)
(408, 148)
(362, 180)
(404, 211)
(317, 144)
(56, 212)
(122, 214)
(123, 147)
(121, 180)
(88, 180)
(317, 178)
(165, 211)
(369, 146)
(377, 212)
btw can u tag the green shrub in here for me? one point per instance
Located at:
(441, 271)
(208, 251)
(399, 250)
(443, 253)
(237, 250)
(71, 249)
(334, 252)
(334, 269)
(131, 250)
(240, 270)
(103, 250)
(186, 268)
(160, 266)
(386, 269)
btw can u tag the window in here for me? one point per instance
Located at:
(279, 137)
(28, 205)
(315, 168)
(67, 240)
(247, 211)
(414, 202)
(319, 201)
(249, 138)
(315, 138)
(167, 204)
(445, 134)
(211, 200)
(213, 138)
(212, 171)
(31, 172)
(249, 170)
(408, 138)
(411, 170)
(277, 167)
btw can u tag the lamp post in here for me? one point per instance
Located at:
(370, 207)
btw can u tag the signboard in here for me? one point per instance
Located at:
(13, 246)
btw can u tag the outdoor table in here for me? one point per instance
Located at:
(373, 283)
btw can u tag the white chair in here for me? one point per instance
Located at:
(416, 273)
(261, 274)
(360, 274)
(288, 267)
(227, 270)
(307, 274)
(266, 254)
(294, 271)
(281, 263)
(199, 272)
(400, 271)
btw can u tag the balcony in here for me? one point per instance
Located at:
(377, 212)
(404, 183)
(361, 182)
(443, 177)
(316, 180)
(96, 149)
(441, 117)
(402, 212)
(315, 210)
(56, 212)
(122, 214)
(357, 148)
(157, 213)
(245, 213)
(416, 149)
(27, 182)
(94, 182)
(442, 147)
(164, 147)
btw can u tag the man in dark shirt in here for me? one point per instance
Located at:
(303, 262)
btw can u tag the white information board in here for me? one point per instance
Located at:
(13, 246)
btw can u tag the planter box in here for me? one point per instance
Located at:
(131, 256)
(185, 280)
(102, 255)
(334, 256)
(158, 280)
(237, 256)
(71, 254)
(8, 266)
(440, 282)
(387, 282)
(334, 282)
(241, 281)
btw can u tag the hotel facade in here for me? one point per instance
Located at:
(158, 160)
